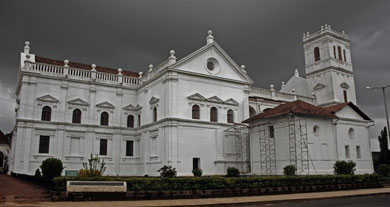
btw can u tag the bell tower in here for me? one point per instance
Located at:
(328, 66)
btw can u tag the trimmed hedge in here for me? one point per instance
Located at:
(219, 182)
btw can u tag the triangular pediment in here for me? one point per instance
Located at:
(231, 101)
(105, 104)
(319, 86)
(197, 97)
(48, 98)
(344, 85)
(225, 66)
(154, 100)
(131, 107)
(78, 102)
(214, 99)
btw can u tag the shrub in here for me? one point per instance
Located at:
(289, 170)
(232, 172)
(38, 173)
(167, 172)
(220, 182)
(51, 167)
(383, 170)
(94, 168)
(344, 167)
(197, 172)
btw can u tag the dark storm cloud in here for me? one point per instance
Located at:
(266, 36)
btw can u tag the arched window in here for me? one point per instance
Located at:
(252, 111)
(130, 121)
(345, 56)
(339, 51)
(76, 117)
(195, 112)
(154, 114)
(139, 120)
(214, 114)
(317, 54)
(230, 116)
(104, 119)
(46, 113)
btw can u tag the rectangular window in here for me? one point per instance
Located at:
(271, 132)
(358, 152)
(74, 145)
(345, 96)
(44, 142)
(129, 148)
(195, 163)
(153, 146)
(103, 147)
(347, 153)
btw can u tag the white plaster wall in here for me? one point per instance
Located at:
(360, 138)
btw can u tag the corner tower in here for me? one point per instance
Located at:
(328, 66)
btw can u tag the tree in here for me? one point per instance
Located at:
(51, 167)
(384, 156)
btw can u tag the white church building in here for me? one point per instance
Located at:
(201, 111)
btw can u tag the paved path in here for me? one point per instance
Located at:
(250, 200)
(12, 186)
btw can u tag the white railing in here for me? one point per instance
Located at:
(130, 80)
(80, 74)
(46, 69)
(276, 95)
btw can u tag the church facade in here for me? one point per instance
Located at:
(185, 113)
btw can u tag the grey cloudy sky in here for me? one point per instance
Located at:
(266, 36)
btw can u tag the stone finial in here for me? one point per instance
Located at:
(329, 27)
(307, 34)
(210, 37)
(120, 71)
(296, 73)
(93, 67)
(326, 26)
(304, 35)
(172, 53)
(27, 47)
(293, 90)
(313, 95)
(283, 84)
(243, 68)
(172, 58)
(66, 62)
(271, 87)
(140, 74)
(343, 32)
(150, 67)
(322, 28)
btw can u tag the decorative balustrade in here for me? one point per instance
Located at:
(46, 69)
(80, 74)
(276, 95)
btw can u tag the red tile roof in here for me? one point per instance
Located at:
(39, 59)
(296, 107)
(335, 108)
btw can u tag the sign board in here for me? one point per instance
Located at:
(71, 173)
